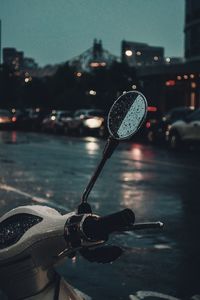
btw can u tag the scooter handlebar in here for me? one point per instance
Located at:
(99, 228)
(87, 230)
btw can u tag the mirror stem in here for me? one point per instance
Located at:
(110, 146)
(108, 150)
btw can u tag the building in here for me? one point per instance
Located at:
(169, 86)
(141, 54)
(19, 64)
(94, 58)
(192, 29)
(13, 58)
(176, 82)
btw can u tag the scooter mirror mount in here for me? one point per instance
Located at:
(125, 117)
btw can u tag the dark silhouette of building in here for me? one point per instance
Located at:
(176, 83)
(13, 59)
(19, 64)
(140, 54)
(172, 85)
(192, 29)
(93, 58)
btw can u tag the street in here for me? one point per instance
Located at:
(158, 185)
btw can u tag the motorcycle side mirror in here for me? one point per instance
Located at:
(127, 115)
(125, 118)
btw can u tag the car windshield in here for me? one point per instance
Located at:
(195, 116)
(177, 114)
(4, 113)
(97, 113)
(66, 114)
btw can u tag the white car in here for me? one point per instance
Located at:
(184, 131)
(85, 121)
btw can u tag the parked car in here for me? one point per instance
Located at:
(85, 121)
(55, 121)
(184, 131)
(157, 131)
(152, 118)
(6, 119)
(28, 119)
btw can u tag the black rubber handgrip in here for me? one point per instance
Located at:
(100, 228)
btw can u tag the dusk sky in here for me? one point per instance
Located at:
(53, 31)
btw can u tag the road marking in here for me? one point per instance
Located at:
(9, 188)
(144, 294)
(162, 246)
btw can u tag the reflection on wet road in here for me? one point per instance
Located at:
(156, 184)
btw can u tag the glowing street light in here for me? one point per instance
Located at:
(92, 92)
(78, 74)
(129, 53)
(27, 79)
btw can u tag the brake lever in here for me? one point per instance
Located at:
(103, 254)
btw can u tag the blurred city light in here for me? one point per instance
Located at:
(27, 79)
(148, 124)
(78, 74)
(14, 119)
(152, 108)
(129, 53)
(93, 122)
(170, 82)
(92, 147)
(193, 85)
(92, 92)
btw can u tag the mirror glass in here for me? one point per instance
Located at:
(127, 115)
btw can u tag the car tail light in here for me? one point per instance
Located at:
(148, 124)
(152, 108)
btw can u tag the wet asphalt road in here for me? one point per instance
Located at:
(156, 184)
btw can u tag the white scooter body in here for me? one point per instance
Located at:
(26, 266)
